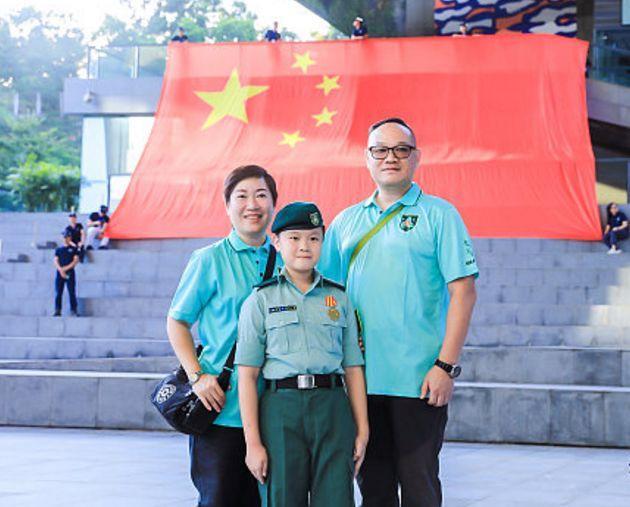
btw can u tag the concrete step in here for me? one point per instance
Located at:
(84, 327)
(546, 365)
(608, 295)
(155, 272)
(482, 412)
(540, 413)
(89, 288)
(519, 314)
(562, 335)
(43, 348)
(162, 365)
(116, 307)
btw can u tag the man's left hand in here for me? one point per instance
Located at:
(439, 386)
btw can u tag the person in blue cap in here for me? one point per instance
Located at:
(306, 438)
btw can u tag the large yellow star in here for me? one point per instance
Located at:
(324, 117)
(230, 101)
(329, 84)
(291, 139)
(303, 61)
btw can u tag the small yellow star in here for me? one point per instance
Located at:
(324, 117)
(291, 139)
(303, 61)
(329, 84)
(230, 101)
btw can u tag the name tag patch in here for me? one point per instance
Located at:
(278, 309)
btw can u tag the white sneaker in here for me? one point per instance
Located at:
(614, 251)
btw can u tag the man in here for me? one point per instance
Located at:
(273, 35)
(77, 235)
(97, 225)
(66, 258)
(181, 35)
(359, 30)
(401, 252)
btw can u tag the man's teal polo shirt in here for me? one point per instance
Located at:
(216, 281)
(398, 283)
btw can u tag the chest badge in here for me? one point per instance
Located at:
(331, 303)
(408, 222)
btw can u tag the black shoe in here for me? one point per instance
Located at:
(103, 248)
(90, 247)
(74, 313)
(57, 313)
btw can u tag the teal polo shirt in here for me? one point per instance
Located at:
(398, 283)
(216, 281)
(289, 333)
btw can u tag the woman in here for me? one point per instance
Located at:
(616, 228)
(212, 289)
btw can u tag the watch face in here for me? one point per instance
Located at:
(457, 369)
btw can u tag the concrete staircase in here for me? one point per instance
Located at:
(547, 358)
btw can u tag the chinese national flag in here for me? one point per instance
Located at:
(501, 124)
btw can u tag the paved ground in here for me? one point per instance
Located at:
(56, 467)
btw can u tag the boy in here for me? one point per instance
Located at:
(301, 330)
(66, 258)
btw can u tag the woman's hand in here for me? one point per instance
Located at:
(209, 391)
(257, 461)
(360, 444)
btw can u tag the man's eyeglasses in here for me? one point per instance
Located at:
(402, 151)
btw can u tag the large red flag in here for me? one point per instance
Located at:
(500, 120)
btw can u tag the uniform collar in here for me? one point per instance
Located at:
(409, 199)
(239, 245)
(318, 279)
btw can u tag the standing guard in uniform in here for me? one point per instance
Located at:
(301, 330)
(66, 258)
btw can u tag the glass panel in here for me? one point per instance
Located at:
(115, 62)
(612, 180)
(152, 61)
(611, 65)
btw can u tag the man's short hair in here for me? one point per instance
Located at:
(104, 209)
(248, 171)
(72, 214)
(393, 119)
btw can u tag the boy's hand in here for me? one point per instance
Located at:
(256, 460)
(209, 392)
(360, 444)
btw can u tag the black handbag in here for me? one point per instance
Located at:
(174, 397)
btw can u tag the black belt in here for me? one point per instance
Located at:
(307, 382)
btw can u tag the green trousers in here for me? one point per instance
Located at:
(309, 436)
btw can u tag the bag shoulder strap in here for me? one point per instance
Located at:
(269, 269)
(372, 232)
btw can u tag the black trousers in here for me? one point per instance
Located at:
(406, 436)
(218, 471)
(70, 282)
(611, 238)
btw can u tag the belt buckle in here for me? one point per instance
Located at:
(306, 382)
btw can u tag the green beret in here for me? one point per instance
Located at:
(296, 216)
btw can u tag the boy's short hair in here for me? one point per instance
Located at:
(248, 171)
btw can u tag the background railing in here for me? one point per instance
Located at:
(126, 61)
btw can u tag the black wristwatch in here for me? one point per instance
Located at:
(453, 370)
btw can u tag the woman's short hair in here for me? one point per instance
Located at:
(245, 172)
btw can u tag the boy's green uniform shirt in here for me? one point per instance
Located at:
(288, 333)
(398, 283)
(211, 291)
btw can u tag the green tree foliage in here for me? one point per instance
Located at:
(45, 186)
(157, 21)
(35, 57)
